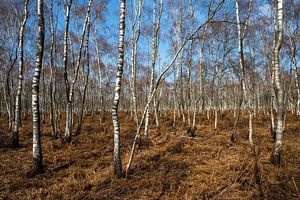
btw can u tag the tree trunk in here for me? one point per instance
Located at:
(70, 95)
(53, 116)
(37, 165)
(117, 153)
(17, 120)
(241, 36)
(155, 43)
(86, 79)
(66, 80)
(134, 41)
(275, 158)
(102, 111)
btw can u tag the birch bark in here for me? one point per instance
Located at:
(17, 120)
(115, 117)
(275, 157)
(37, 162)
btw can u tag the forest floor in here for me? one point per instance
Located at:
(171, 165)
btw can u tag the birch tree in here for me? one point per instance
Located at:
(65, 62)
(155, 43)
(37, 161)
(86, 78)
(136, 31)
(189, 71)
(17, 120)
(275, 157)
(52, 88)
(71, 86)
(243, 92)
(115, 117)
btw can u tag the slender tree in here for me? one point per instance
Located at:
(117, 152)
(65, 62)
(17, 120)
(52, 89)
(244, 97)
(136, 30)
(275, 157)
(86, 78)
(155, 43)
(70, 91)
(243, 92)
(37, 161)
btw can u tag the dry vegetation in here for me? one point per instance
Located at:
(170, 166)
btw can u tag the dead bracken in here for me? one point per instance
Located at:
(205, 167)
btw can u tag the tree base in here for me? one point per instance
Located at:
(37, 168)
(118, 171)
(233, 138)
(54, 136)
(15, 143)
(275, 159)
(191, 132)
(68, 139)
(78, 130)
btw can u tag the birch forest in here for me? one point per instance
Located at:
(149, 99)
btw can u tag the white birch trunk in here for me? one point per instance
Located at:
(115, 118)
(275, 158)
(155, 43)
(17, 120)
(86, 79)
(244, 97)
(134, 41)
(37, 165)
(70, 96)
(52, 89)
(65, 63)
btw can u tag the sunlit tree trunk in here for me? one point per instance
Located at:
(177, 78)
(189, 69)
(134, 41)
(275, 158)
(65, 66)
(52, 88)
(37, 162)
(70, 95)
(273, 95)
(17, 120)
(155, 43)
(117, 153)
(243, 95)
(86, 78)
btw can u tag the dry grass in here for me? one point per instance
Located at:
(172, 166)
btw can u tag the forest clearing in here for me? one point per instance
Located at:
(138, 99)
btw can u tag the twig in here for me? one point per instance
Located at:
(183, 136)
(295, 184)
